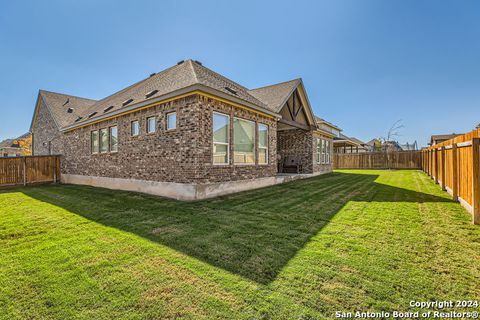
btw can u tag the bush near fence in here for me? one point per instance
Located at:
(29, 170)
(378, 160)
(455, 165)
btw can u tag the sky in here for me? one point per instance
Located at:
(365, 63)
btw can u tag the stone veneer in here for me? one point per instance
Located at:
(182, 155)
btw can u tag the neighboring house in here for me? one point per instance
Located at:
(374, 145)
(438, 138)
(409, 146)
(345, 144)
(478, 126)
(21, 146)
(186, 133)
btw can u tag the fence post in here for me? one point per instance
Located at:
(435, 160)
(455, 172)
(476, 180)
(24, 171)
(442, 167)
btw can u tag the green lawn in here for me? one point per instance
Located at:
(347, 241)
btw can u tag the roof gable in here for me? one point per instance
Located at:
(275, 96)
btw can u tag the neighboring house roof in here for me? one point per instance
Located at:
(275, 96)
(409, 146)
(360, 142)
(443, 137)
(7, 143)
(59, 103)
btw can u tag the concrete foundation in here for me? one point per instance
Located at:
(182, 191)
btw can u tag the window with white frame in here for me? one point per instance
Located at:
(324, 157)
(262, 143)
(103, 140)
(135, 128)
(243, 141)
(221, 136)
(113, 139)
(319, 151)
(151, 125)
(94, 141)
(171, 120)
(327, 152)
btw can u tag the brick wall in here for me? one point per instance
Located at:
(183, 155)
(302, 143)
(45, 131)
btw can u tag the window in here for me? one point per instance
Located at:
(171, 120)
(221, 133)
(262, 143)
(323, 152)
(103, 140)
(94, 141)
(319, 150)
(327, 152)
(135, 128)
(151, 125)
(113, 139)
(243, 141)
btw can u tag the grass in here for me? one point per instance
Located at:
(347, 241)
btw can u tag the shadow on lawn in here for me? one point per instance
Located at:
(253, 234)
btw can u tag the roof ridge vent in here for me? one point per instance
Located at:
(231, 90)
(152, 74)
(151, 93)
(108, 109)
(124, 103)
(198, 62)
(68, 100)
(180, 62)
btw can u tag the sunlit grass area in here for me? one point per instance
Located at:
(347, 241)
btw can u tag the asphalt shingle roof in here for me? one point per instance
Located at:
(180, 76)
(274, 96)
(56, 102)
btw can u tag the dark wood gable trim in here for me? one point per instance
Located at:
(294, 107)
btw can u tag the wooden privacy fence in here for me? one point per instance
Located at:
(378, 160)
(29, 170)
(455, 166)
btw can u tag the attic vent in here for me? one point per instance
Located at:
(68, 100)
(108, 109)
(198, 62)
(151, 93)
(92, 114)
(70, 110)
(124, 103)
(152, 74)
(231, 90)
(180, 62)
(78, 119)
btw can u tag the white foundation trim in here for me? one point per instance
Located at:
(182, 191)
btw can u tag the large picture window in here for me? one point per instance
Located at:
(94, 141)
(262, 143)
(113, 139)
(103, 140)
(243, 141)
(221, 133)
(324, 149)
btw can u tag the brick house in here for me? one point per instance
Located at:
(185, 133)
